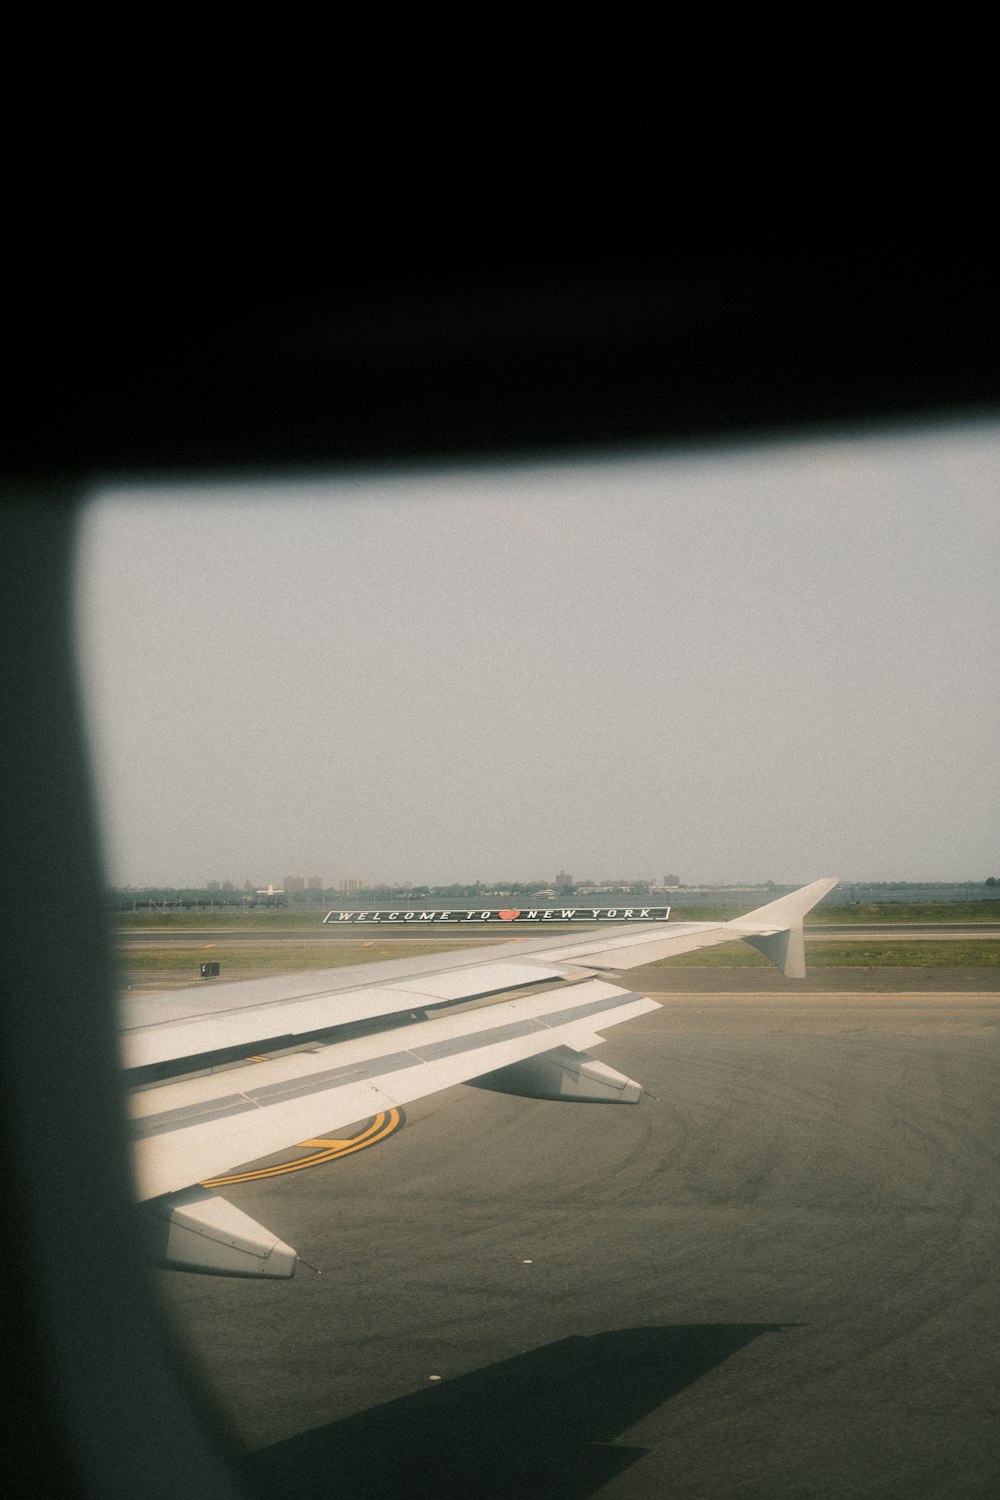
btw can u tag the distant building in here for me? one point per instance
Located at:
(294, 883)
(315, 882)
(671, 880)
(562, 880)
(350, 887)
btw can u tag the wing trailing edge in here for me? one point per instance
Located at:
(216, 1121)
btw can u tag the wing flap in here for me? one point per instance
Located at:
(205, 1126)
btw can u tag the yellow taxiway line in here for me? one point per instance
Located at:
(378, 1129)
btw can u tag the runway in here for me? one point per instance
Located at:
(234, 938)
(460, 933)
(776, 1278)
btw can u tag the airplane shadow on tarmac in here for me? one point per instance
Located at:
(543, 1423)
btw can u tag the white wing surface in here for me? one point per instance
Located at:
(341, 1045)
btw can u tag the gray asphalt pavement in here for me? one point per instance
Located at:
(494, 933)
(777, 1278)
(374, 933)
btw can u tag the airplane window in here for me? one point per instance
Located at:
(694, 679)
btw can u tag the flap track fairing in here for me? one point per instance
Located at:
(196, 1231)
(563, 1074)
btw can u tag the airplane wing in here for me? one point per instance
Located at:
(229, 1076)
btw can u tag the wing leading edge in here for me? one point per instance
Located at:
(342, 1051)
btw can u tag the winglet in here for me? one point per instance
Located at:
(776, 929)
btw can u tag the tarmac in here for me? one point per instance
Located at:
(458, 932)
(775, 1276)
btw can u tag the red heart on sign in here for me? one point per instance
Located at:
(508, 916)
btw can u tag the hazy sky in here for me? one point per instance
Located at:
(770, 662)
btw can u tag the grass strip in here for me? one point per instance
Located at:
(892, 912)
(181, 963)
(216, 921)
(982, 953)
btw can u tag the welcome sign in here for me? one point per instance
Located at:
(517, 915)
